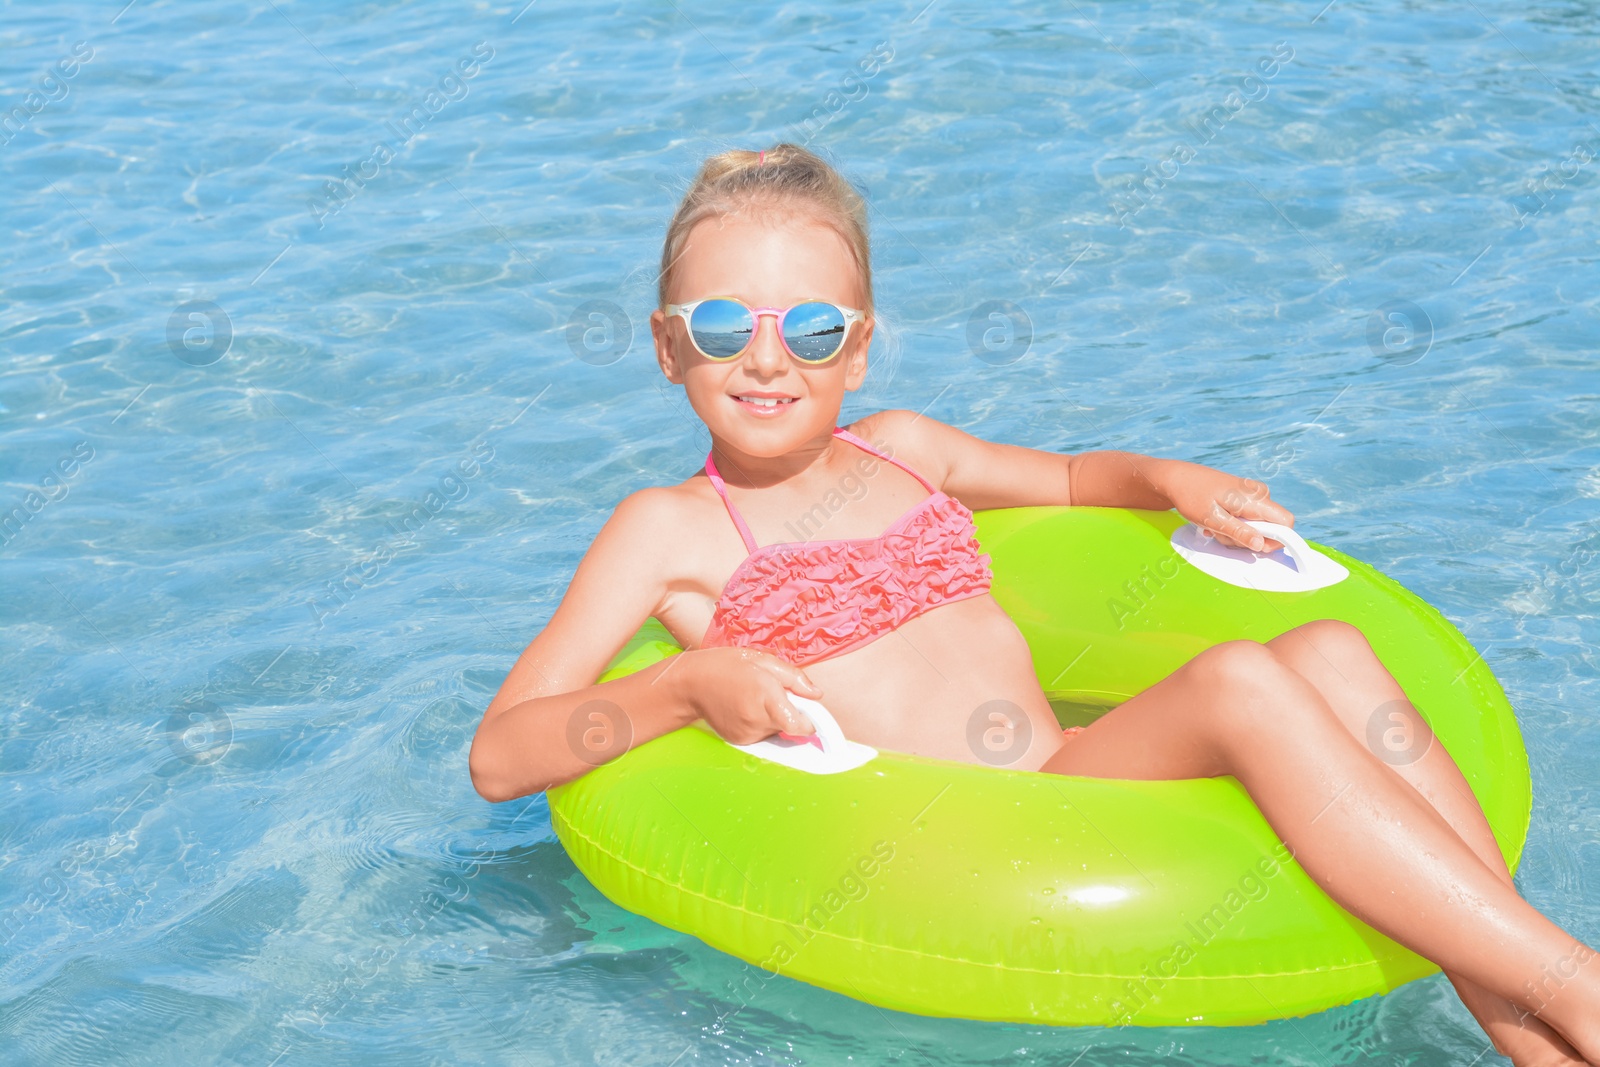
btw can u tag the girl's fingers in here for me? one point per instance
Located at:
(1251, 499)
(795, 722)
(1238, 533)
(1267, 509)
(793, 678)
(805, 685)
(1231, 529)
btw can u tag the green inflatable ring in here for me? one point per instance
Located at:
(964, 890)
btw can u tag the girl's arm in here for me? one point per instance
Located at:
(985, 474)
(549, 723)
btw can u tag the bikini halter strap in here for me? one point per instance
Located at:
(859, 443)
(722, 491)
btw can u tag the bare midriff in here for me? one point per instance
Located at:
(934, 686)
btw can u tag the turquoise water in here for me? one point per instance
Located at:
(301, 470)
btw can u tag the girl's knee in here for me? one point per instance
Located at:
(1238, 665)
(1243, 682)
(1237, 671)
(1335, 639)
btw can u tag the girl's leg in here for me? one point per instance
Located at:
(1366, 837)
(1337, 659)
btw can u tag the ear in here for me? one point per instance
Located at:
(665, 354)
(855, 372)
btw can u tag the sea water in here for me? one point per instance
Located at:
(326, 355)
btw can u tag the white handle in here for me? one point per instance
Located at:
(1304, 569)
(822, 719)
(837, 753)
(1294, 546)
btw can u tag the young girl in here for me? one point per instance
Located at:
(804, 558)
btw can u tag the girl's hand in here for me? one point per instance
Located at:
(739, 692)
(1218, 503)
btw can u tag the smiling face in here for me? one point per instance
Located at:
(765, 263)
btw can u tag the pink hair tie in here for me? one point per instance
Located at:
(763, 158)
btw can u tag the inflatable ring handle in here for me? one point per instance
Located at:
(1294, 546)
(827, 751)
(829, 737)
(1300, 568)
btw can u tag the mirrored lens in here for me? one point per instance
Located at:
(721, 328)
(814, 331)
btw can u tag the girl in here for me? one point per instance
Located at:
(804, 558)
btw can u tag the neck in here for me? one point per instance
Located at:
(743, 470)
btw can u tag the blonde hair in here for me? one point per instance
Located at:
(783, 178)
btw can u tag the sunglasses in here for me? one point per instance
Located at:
(722, 327)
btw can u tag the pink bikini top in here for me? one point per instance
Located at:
(808, 600)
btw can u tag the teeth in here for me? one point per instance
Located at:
(765, 401)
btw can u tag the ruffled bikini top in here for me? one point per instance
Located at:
(809, 600)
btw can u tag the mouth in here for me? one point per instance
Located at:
(766, 406)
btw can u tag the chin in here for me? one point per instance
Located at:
(766, 435)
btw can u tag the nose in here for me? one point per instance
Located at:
(766, 347)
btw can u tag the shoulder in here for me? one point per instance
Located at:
(920, 441)
(896, 427)
(667, 527)
(641, 517)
